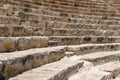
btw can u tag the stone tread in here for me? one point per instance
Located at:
(100, 72)
(80, 32)
(90, 48)
(74, 40)
(99, 57)
(20, 61)
(59, 70)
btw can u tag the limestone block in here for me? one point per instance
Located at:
(49, 24)
(4, 20)
(32, 17)
(7, 44)
(5, 31)
(28, 31)
(13, 20)
(28, 43)
(58, 70)
(25, 60)
(48, 32)
(18, 31)
(25, 23)
(22, 15)
(70, 41)
(37, 23)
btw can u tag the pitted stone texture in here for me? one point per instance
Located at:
(9, 20)
(113, 67)
(32, 42)
(5, 31)
(59, 70)
(18, 31)
(93, 74)
(79, 32)
(8, 44)
(90, 48)
(17, 62)
(101, 57)
(74, 40)
(107, 71)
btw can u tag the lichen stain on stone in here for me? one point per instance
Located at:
(9, 72)
(7, 46)
(33, 63)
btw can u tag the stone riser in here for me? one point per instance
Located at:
(79, 32)
(22, 43)
(91, 48)
(58, 68)
(8, 44)
(15, 31)
(75, 40)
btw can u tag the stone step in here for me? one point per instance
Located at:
(17, 62)
(55, 24)
(19, 9)
(18, 30)
(75, 40)
(98, 58)
(9, 20)
(88, 13)
(8, 44)
(10, 9)
(93, 12)
(91, 48)
(52, 43)
(79, 20)
(101, 72)
(56, 4)
(31, 16)
(59, 70)
(80, 32)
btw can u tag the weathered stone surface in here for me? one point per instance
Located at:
(33, 42)
(74, 40)
(9, 20)
(59, 70)
(106, 71)
(113, 67)
(5, 31)
(90, 48)
(93, 74)
(17, 62)
(7, 44)
(101, 57)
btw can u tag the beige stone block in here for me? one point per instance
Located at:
(33, 42)
(5, 31)
(21, 61)
(7, 44)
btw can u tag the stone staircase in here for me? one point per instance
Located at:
(59, 40)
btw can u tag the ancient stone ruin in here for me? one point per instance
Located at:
(59, 39)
